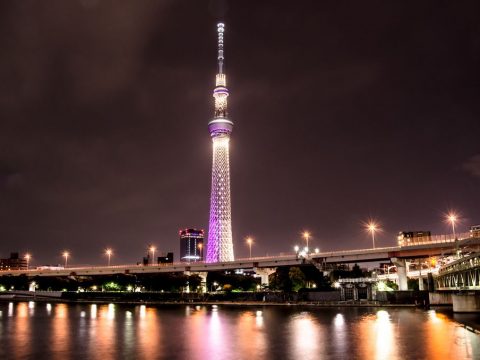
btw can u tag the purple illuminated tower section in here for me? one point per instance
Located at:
(220, 244)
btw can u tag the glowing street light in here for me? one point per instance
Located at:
(249, 241)
(452, 218)
(296, 248)
(152, 250)
(28, 257)
(109, 253)
(200, 248)
(306, 236)
(317, 250)
(372, 227)
(66, 255)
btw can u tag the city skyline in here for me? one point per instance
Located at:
(352, 114)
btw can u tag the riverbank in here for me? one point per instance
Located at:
(112, 300)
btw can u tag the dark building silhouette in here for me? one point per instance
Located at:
(14, 262)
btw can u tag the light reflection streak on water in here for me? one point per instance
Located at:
(340, 337)
(93, 311)
(148, 332)
(10, 309)
(251, 337)
(31, 308)
(111, 311)
(214, 335)
(304, 336)
(60, 341)
(443, 341)
(385, 344)
(49, 309)
(102, 332)
(376, 336)
(22, 330)
(129, 334)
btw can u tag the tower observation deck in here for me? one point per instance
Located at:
(220, 244)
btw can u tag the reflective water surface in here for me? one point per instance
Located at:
(89, 331)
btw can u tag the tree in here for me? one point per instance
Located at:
(297, 277)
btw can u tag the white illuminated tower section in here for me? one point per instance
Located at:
(220, 245)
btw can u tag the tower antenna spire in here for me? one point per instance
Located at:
(220, 57)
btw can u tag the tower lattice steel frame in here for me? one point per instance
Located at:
(220, 244)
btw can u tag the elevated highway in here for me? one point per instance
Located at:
(265, 265)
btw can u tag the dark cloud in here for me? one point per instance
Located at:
(472, 166)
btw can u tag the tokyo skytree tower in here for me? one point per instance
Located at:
(220, 245)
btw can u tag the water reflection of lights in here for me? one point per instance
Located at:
(259, 318)
(10, 309)
(111, 311)
(49, 309)
(385, 336)
(306, 336)
(128, 314)
(93, 311)
(143, 311)
(82, 314)
(339, 321)
(435, 317)
(31, 308)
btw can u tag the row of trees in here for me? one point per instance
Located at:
(285, 279)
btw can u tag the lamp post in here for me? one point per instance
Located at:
(306, 236)
(66, 255)
(372, 227)
(28, 257)
(152, 250)
(452, 218)
(200, 248)
(109, 253)
(250, 242)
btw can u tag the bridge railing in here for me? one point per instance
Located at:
(465, 263)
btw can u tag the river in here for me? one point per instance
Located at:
(39, 331)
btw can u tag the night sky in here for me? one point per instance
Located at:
(343, 110)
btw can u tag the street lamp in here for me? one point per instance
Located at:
(306, 236)
(452, 219)
(28, 257)
(317, 250)
(109, 253)
(66, 255)
(200, 248)
(296, 248)
(152, 250)
(250, 242)
(372, 227)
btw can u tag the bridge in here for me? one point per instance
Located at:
(458, 284)
(264, 266)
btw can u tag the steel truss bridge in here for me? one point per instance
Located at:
(462, 274)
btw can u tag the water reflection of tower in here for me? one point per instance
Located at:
(220, 244)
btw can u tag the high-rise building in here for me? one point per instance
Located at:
(14, 262)
(220, 244)
(191, 245)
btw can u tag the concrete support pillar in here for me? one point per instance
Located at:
(401, 273)
(264, 273)
(420, 278)
(466, 302)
